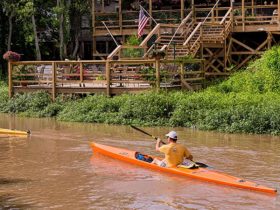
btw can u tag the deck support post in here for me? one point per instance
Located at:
(93, 30)
(182, 74)
(81, 72)
(225, 55)
(193, 11)
(53, 80)
(182, 10)
(269, 40)
(157, 74)
(243, 15)
(278, 9)
(120, 17)
(108, 77)
(10, 80)
(151, 12)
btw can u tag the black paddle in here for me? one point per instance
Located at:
(202, 165)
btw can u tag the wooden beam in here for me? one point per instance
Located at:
(243, 45)
(229, 50)
(150, 11)
(278, 9)
(182, 10)
(103, 5)
(93, 28)
(53, 81)
(250, 56)
(252, 5)
(108, 79)
(243, 15)
(183, 82)
(120, 17)
(193, 11)
(269, 40)
(212, 59)
(157, 74)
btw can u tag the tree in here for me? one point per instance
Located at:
(78, 9)
(10, 9)
(62, 11)
(27, 10)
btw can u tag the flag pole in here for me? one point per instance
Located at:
(148, 14)
(110, 33)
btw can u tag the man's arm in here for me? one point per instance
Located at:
(158, 144)
(188, 155)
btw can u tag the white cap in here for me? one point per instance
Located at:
(172, 135)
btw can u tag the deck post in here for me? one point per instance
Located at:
(182, 10)
(203, 69)
(93, 30)
(10, 80)
(120, 17)
(243, 15)
(157, 74)
(151, 12)
(278, 9)
(81, 72)
(108, 75)
(182, 74)
(269, 40)
(53, 80)
(225, 54)
(193, 11)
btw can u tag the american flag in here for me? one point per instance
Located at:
(143, 20)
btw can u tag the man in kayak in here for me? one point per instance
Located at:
(174, 153)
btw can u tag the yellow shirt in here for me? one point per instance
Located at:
(174, 153)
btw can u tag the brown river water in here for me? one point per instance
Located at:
(54, 169)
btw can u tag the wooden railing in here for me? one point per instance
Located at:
(108, 77)
(249, 15)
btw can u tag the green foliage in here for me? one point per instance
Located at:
(150, 109)
(261, 76)
(148, 73)
(133, 40)
(91, 109)
(4, 98)
(30, 103)
(248, 102)
(132, 52)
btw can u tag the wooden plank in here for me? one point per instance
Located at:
(53, 81)
(243, 45)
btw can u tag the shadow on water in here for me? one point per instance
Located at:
(6, 181)
(7, 201)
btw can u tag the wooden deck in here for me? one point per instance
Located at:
(221, 38)
(111, 77)
(216, 31)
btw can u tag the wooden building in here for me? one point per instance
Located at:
(226, 33)
(185, 43)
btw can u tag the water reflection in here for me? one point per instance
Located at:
(54, 168)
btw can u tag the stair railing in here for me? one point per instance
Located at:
(227, 24)
(184, 21)
(155, 30)
(199, 27)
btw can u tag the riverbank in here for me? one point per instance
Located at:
(248, 102)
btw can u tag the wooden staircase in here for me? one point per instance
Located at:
(185, 41)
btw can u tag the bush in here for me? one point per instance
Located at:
(248, 102)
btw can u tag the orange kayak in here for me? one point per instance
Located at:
(197, 173)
